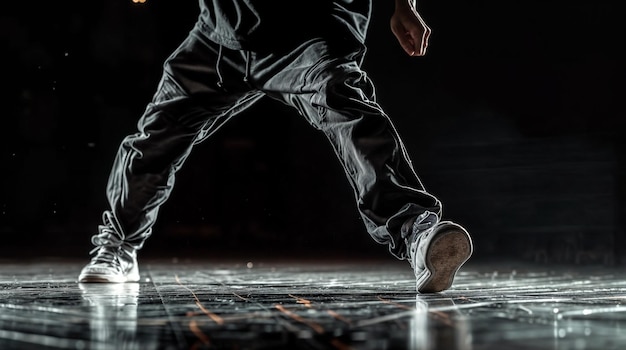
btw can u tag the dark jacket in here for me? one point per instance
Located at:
(258, 25)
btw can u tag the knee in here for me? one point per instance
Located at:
(346, 87)
(347, 95)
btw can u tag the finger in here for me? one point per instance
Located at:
(416, 44)
(420, 48)
(411, 47)
(425, 40)
(408, 45)
(410, 41)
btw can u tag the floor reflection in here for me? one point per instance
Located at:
(113, 315)
(438, 323)
(280, 305)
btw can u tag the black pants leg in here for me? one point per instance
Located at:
(188, 107)
(324, 82)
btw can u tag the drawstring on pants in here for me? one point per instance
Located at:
(247, 74)
(220, 82)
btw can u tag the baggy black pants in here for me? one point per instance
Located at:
(204, 84)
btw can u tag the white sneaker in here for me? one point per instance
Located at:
(436, 252)
(114, 265)
(115, 261)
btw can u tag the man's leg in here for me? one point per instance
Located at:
(337, 97)
(190, 104)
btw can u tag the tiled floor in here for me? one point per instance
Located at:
(311, 305)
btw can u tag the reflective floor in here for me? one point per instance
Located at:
(311, 305)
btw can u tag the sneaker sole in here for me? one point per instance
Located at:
(447, 252)
(106, 279)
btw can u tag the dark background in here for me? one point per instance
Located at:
(514, 120)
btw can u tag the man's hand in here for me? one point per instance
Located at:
(409, 28)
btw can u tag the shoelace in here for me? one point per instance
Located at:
(108, 237)
(425, 221)
(108, 257)
(423, 225)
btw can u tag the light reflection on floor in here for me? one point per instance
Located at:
(311, 305)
